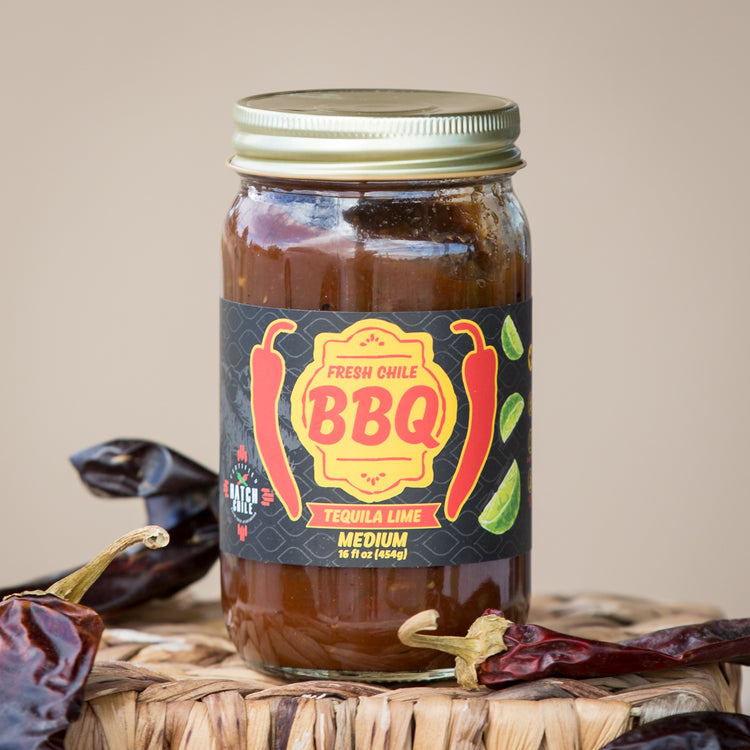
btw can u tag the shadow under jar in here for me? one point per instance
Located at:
(317, 585)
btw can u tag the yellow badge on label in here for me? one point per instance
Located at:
(373, 409)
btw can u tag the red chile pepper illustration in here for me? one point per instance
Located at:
(267, 369)
(479, 372)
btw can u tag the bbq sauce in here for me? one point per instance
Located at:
(380, 248)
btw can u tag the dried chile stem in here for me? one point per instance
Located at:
(483, 639)
(74, 586)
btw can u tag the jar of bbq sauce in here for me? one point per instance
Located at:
(376, 378)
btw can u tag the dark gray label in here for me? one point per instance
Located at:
(381, 439)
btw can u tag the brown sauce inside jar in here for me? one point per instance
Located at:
(439, 245)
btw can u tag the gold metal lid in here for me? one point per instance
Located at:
(375, 134)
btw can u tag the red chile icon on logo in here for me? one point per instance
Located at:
(373, 409)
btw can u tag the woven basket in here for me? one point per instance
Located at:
(172, 679)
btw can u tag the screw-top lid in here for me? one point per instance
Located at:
(375, 134)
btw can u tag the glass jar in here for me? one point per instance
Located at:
(376, 358)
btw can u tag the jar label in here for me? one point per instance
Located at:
(380, 439)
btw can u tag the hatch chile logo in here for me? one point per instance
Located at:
(373, 409)
(244, 494)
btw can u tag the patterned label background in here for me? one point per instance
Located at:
(254, 523)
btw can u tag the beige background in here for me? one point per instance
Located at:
(116, 122)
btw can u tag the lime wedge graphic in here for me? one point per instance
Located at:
(512, 345)
(510, 414)
(501, 511)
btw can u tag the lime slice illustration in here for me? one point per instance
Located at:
(512, 345)
(501, 511)
(510, 414)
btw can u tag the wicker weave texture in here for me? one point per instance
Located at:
(172, 679)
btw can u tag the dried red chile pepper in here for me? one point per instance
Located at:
(141, 468)
(697, 730)
(180, 495)
(267, 371)
(47, 646)
(497, 652)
